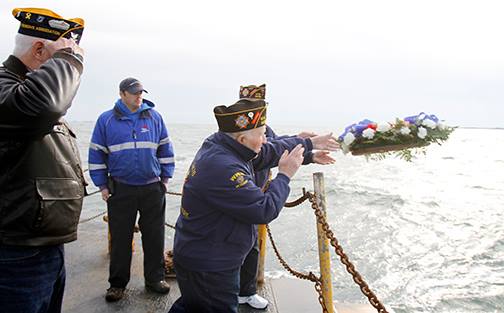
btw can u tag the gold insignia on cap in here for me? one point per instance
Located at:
(242, 121)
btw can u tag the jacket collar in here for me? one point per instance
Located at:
(144, 110)
(14, 65)
(229, 142)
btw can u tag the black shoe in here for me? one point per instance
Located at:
(159, 286)
(114, 294)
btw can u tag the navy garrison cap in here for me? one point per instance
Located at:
(46, 24)
(243, 115)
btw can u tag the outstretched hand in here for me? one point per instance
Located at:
(323, 157)
(325, 142)
(290, 162)
(306, 134)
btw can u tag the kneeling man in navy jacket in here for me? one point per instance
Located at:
(221, 204)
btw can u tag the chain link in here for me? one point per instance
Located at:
(297, 202)
(92, 217)
(373, 299)
(310, 276)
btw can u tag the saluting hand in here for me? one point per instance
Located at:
(323, 157)
(63, 43)
(325, 142)
(291, 161)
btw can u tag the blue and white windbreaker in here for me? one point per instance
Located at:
(135, 152)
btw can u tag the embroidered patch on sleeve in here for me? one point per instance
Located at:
(184, 212)
(239, 179)
(191, 172)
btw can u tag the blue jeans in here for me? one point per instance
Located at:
(32, 279)
(207, 292)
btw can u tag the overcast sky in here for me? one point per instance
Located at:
(325, 63)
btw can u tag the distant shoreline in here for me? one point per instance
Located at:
(474, 127)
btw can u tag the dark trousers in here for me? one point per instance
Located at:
(32, 279)
(206, 292)
(122, 207)
(248, 272)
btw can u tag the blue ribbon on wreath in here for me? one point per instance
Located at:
(419, 118)
(356, 128)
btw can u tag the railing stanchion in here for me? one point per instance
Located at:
(323, 245)
(262, 237)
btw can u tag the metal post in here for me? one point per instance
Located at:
(261, 237)
(323, 245)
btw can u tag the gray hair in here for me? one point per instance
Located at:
(23, 44)
(236, 134)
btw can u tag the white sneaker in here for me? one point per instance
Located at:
(255, 301)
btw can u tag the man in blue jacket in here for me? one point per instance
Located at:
(130, 160)
(324, 144)
(221, 205)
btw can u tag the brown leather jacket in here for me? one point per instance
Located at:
(41, 180)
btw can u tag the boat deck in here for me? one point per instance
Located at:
(87, 263)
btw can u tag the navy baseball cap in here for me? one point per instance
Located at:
(131, 85)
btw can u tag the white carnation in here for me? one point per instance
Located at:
(348, 139)
(422, 132)
(383, 127)
(442, 126)
(368, 133)
(405, 131)
(429, 123)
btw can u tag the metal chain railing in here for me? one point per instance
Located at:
(310, 276)
(297, 202)
(373, 299)
(92, 217)
(105, 212)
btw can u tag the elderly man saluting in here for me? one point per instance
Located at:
(221, 204)
(41, 181)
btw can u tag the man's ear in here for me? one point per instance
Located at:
(241, 138)
(38, 51)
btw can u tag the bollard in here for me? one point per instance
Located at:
(323, 245)
(261, 238)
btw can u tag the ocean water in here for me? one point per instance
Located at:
(427, 236)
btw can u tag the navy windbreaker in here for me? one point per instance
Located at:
(221, 202)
